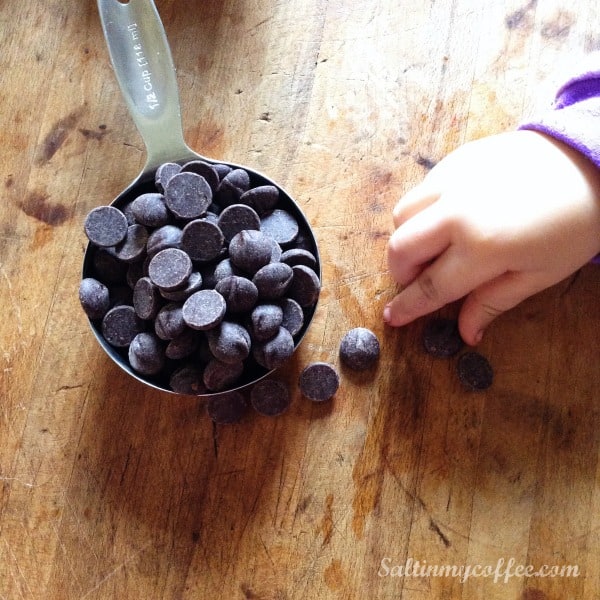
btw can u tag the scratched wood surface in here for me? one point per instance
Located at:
(110, 490)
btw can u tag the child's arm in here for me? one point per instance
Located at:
(502, 218)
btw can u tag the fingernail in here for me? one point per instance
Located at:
(387, 313)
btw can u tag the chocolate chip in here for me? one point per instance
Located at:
(319, 381)
(250, 250)
(133, 247)
(194, 283)
(105, 226)
(264, 322)
(359, 349)
(94, 298)
(204, 169)
(146, 299)
(240, 293)
(169, 269)
(168, 236)
(299, 256)
(226, 408)
(305, 286)
(475, 371)
(270, 397)
(204, 309)
(146, 354)
(441, 337)
(293, 316)
(281, 226)
(274, 352)
(222, 170)
(183, 345)
(236, 218)
(229, 342)
(150, 209)
(187, 380)
(232, 186)
(188, 195)
(202, 240)
(219, 376)
(120, 325)
(164, 173)
(262, 198)
(212, 274)
(273, 280)
(169, 323)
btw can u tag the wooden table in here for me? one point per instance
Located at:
(113, 490)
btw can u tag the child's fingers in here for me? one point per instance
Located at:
(414, 201)
(492, 299)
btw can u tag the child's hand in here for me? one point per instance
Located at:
(496, 221)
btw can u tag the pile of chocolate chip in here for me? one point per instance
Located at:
(203, 281)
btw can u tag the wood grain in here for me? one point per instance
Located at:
(111, 490)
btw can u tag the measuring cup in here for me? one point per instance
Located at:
(144, 69)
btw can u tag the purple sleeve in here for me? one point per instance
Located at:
(574, 117)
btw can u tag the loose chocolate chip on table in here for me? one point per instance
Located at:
(146, 354)
(150, 209)
(299, 256)
(274, 352)
(133, 247)
(194, 283)
(359, 349)
(146, 299)
(262, 198)
(169, 269)
(187, 380)
(188, 195)
(183, 345)
(250, 250)
(237, 217)
(229, 342)
(273, 280)
(202, 240)
(94, 298)
(167, 236)
(232, 186)
(305, 286)
(204, 309)
(270, 397)
(120, 325)
(105, 226)
(206, 170)
(169, 323)
(164, 174)
(219, 376)
(281, 226)
(293, 316)
(227, 408)
(239, 292)
(319, 381)
(441, 337)
(475, 371)
(264, 322)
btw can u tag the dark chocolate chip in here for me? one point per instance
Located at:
(146, 354)
(94, 298)
(281, 226)
(240, 293)
(229, 342)
(441, 337)
(475, 371)
(270, 397)
(273, 280)
(167, 236)
(232, 186)
(262, 198)
(206, 170)
(319, 381)
(299, 256)
(274, 352)
(222, 170)
(169, 323)
(250, 250)
(194, 283)
(150, 210)
(305, 286)
(202, 240)
(188, 195)
(146, 299)
(164, 173)
(212, 274)
(293, 316)
(183, 345)
(105, 226)
(187, 380)
(359, 349)
(236, 218)
(264, 322)
(204, 310)
(120, 325)
(170, 269)
(219, 376)
(133, 247)
(227, 408)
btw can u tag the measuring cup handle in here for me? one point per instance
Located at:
(141, 58)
